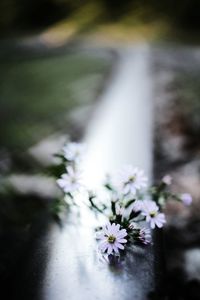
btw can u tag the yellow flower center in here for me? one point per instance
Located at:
(111, 239)
(132, 178)
(153, 214)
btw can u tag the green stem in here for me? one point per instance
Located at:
(93, 205)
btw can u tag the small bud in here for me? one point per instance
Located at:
(167, 179)
(186, 199)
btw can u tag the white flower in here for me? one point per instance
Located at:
(120, 210)
(145, 236)
(186, 199)
(141, 234)
(137, 205)
(74, 151)
(112, 238)
(71, 181)
(131, 179)
(151, 211)
(167, 179)
(134, 225)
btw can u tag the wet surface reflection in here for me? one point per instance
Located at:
(77, 271)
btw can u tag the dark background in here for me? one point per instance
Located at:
(21, 15)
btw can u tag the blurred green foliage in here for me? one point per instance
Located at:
(37, 96)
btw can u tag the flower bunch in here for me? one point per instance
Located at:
(70, 181)
(132, 207)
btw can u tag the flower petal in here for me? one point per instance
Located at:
(118, 245)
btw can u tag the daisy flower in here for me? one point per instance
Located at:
(186, 199)
(112, 239)
(144, 236)
(120, 210)
(141, 234)
(131, 179)
(137, 205)
(151, 212)
(71, 181)
(73, 151)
